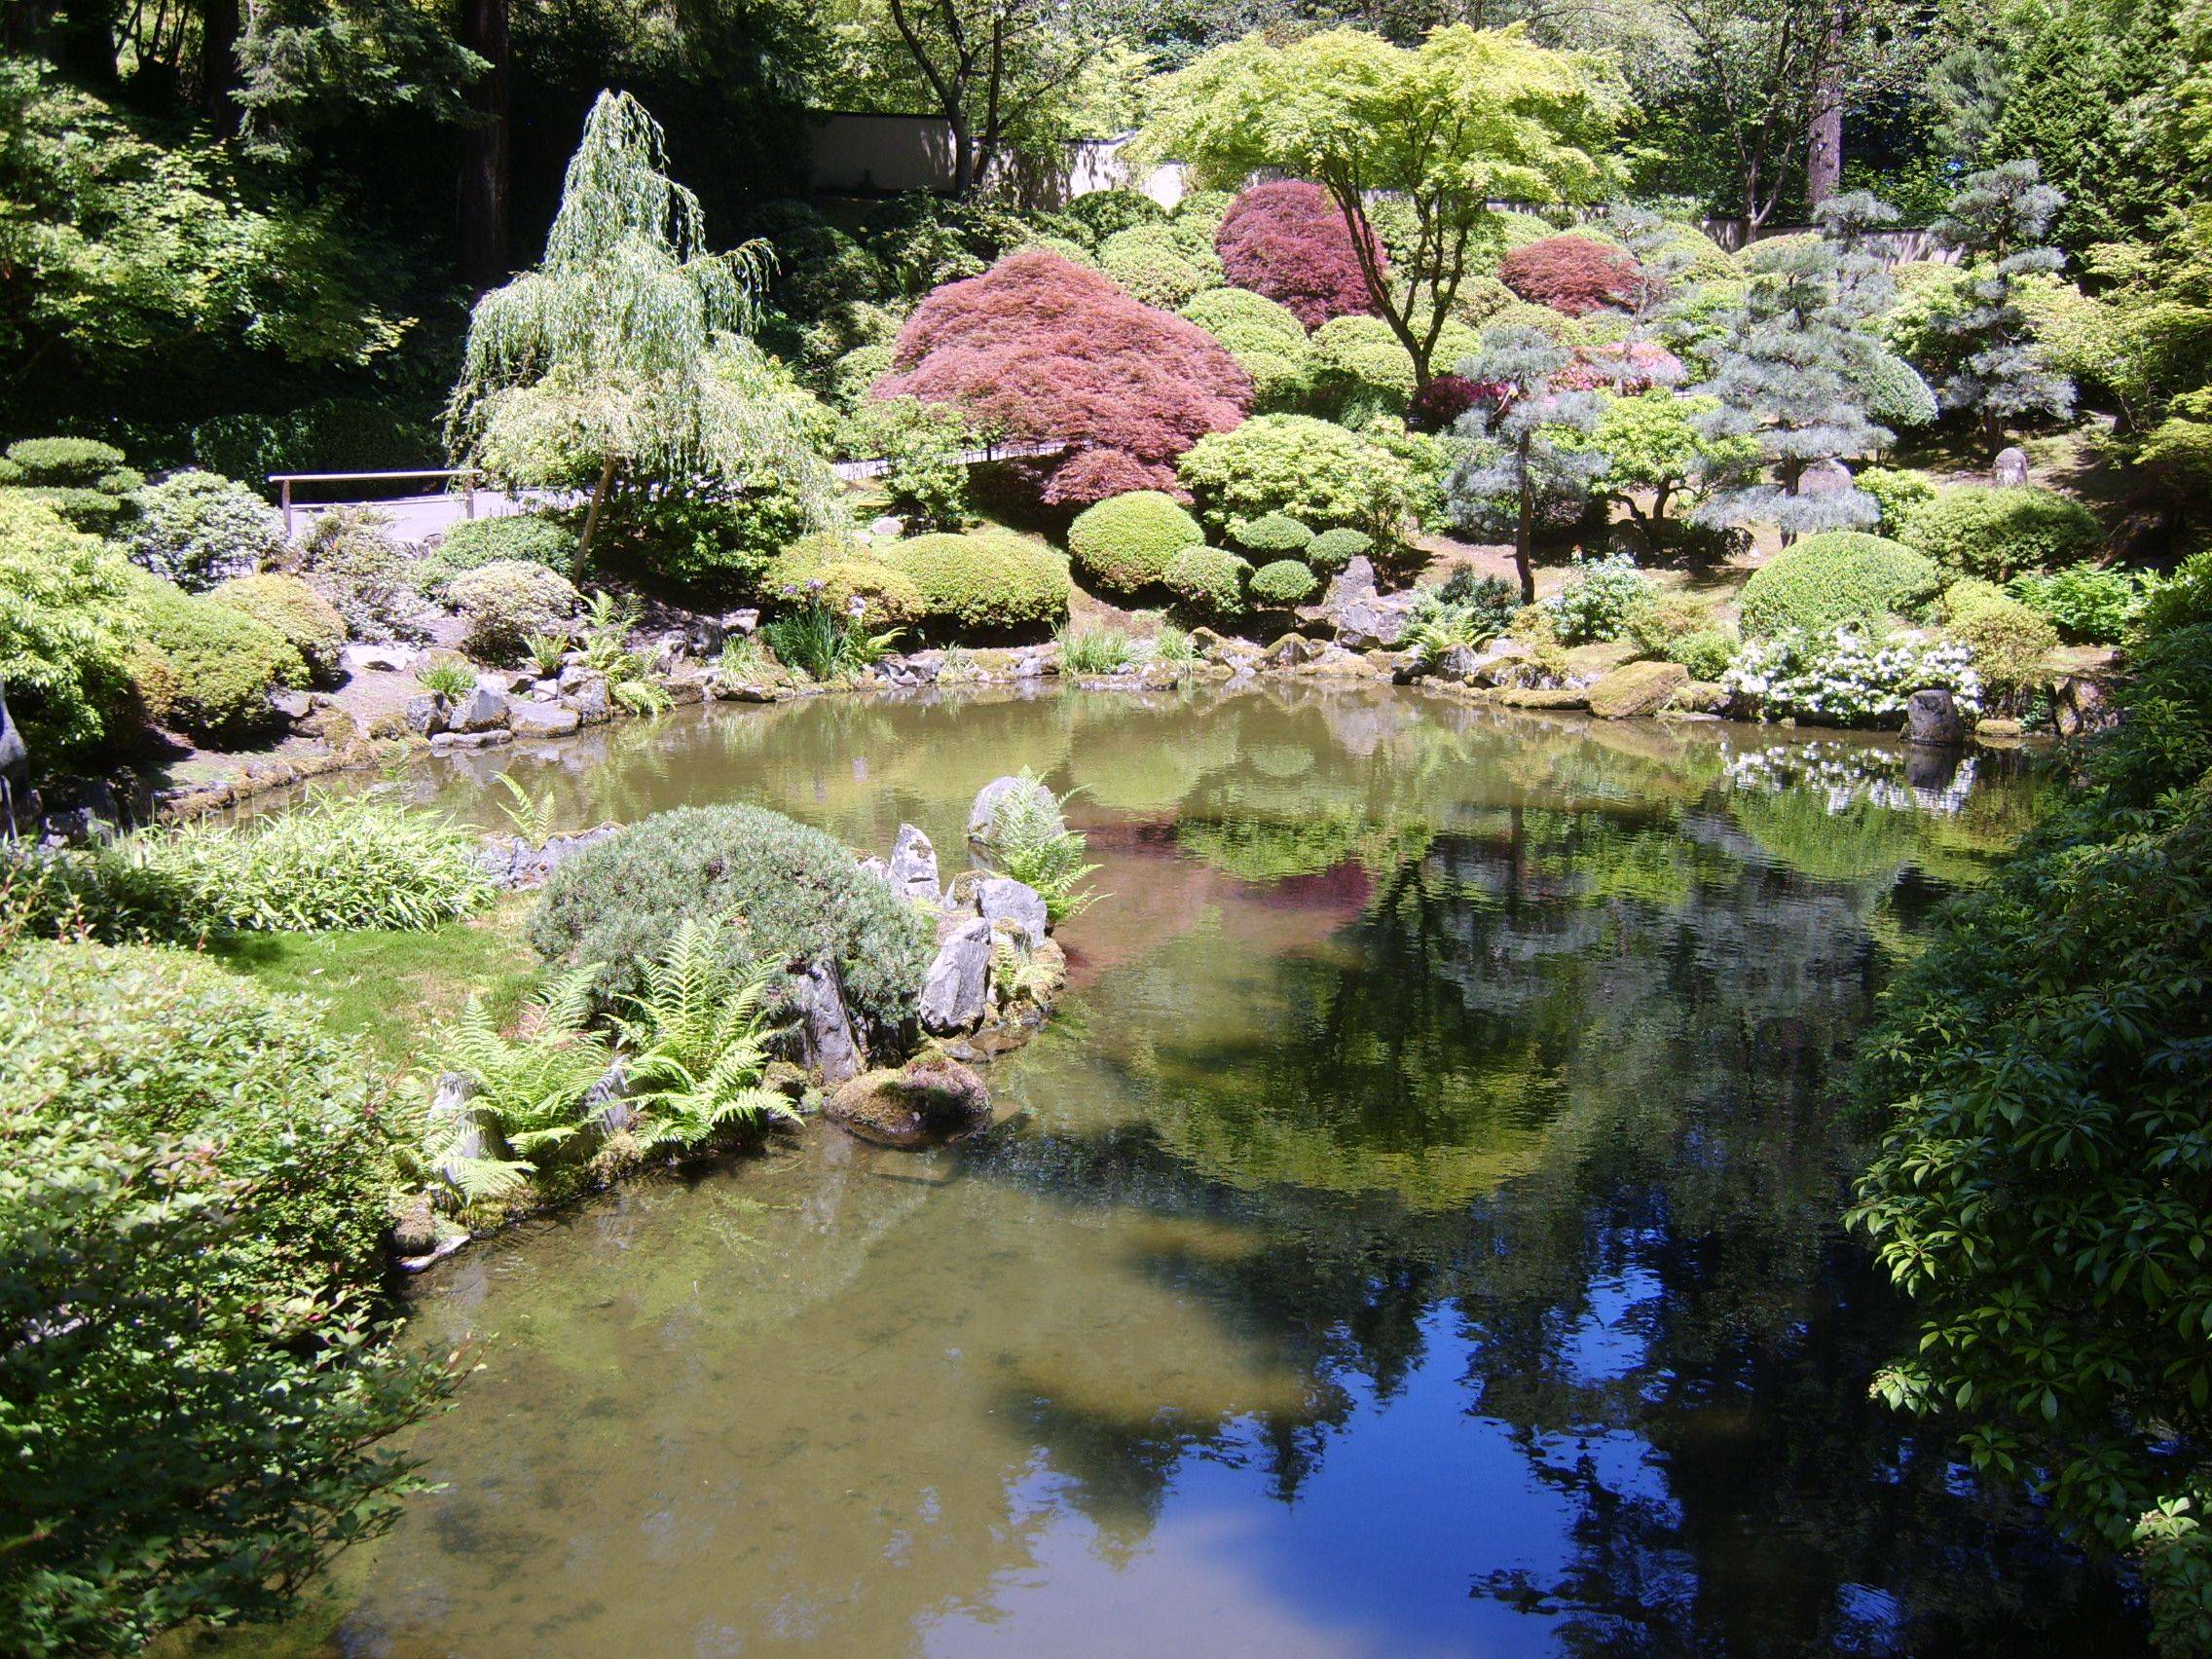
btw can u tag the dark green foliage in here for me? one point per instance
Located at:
(1334, 549)
(199, 1177)
(704, 542)
(1284, 582)
(1493, 597)
(1841, 578)
(1102, 214)
(767, 888)
(1208, 578)
(2043, 1185)
(476, 542)
(1998, 371)
(1998, 531)
(1126, 541)
(2088, 604)
(61, 653)
(332, 434)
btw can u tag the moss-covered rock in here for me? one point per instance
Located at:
(930, 1100)
(1638, 688)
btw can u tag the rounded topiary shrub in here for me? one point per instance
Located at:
(1839, 578)
(1211, 578)
(1154, 264)
(985, 578)
(203, 669)
(1126, 541)
(76, 463)
(1284, 582)
(1270, 532)
(1103, 214)
(307, 621)
(2010, 642)
(1574, 275)
(1334, 549)
(1998, 531)
(476, 542)
(507, 602)
(771, 890)
(198, 528)
(1316, 472)
(887, 594)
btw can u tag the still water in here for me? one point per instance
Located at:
(1414, 1235)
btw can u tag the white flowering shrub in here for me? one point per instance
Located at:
(1596, 602)
(1848, 678)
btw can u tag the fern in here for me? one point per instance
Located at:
(697, 1046)
(1032, 843)
(531, 815)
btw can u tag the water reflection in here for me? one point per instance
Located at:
(1418, 1236)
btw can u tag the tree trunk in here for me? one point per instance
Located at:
(1824, 155)
(1524, 536)
(219, 26)
(591, 519)
(963, 150)
(484, 260)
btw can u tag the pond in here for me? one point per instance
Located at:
(1414, 1235)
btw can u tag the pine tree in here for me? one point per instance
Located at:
(1999, 222)
(624, 352)
(1527, 457)
(1793, 372)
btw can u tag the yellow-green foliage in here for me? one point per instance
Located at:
(1126, 541)
(61, 656)
(508, 601)
(1359, 353)
(1212, 578)
(1979, 529)
(306, 619)
(846, 569)
(203, 669)
(1838, 578)
(2010, 641)
(1285, 582)
(985, 578)
(1269, 344)
(1157, 266)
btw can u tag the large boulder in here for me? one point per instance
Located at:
(930, 1100)
(542, 719)
(1931, 719)
(15, 752)
(956, 992)
(424, 713)
(1364, 618)
(1002, 898)
(826, 1037)
(484, 709)
(913, 865)
(1638, 688)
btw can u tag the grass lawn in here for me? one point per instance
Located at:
(389, 988)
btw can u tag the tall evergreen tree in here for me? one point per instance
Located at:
(1530, 455)
(1793, 373)
(1999, 222)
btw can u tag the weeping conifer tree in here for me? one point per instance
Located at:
(1527, 456)
(1999, 221)
(1794, 374)
(623, 357)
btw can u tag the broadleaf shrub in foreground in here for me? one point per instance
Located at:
(2042, 1069)
(766, 887)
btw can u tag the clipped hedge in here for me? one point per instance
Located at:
(771, 892)
(985, 579)
(1212, 578)
(1284, 582)
(1124, 542)
(506, 602)
(1316, 472)
(1998, 531)
(203, 669)
(1268, 342)
(1839, 578)
(2010, 640)
(310, 622)
(71, 463)
(1271, 533)
(1156, 265)
(1334, 549)
(476, 542)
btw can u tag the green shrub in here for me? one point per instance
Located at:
(1282, 583)
(203, 669)
(1998, 531)
(1598, 599)
(332, 434)
(80, 463)
(307, 621)
(770, 890)
(1839, 578)
(986, 578)
(350, 560)
(886, 595)
(198, 1174)
(1156, 267)
(1270, 532)
(1314, 471)
(505, 603)
(2008, 641)
(1268, 342)
(1126, 541)
(64, 659)
(476, 542)
(926, 483)
(859, 369)
(1658, 620)
(1706, 653)
(1901, 492)
(2088, 604)
(1211, 578)
(196, 528)
(1103, 214)
(1334, 549)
